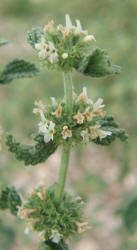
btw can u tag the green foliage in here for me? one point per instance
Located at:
(31, 155)
(49, 245)
(130, 216)
(17, 68)
(9, 199)
(97, 64)
(61, 217)
(34, 36)
(109, 124)
(3, 42)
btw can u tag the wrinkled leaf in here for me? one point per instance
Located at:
(18, 68)
(10, 199)
(109, 124)
(31, 155)
(97, 64)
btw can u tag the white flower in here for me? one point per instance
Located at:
(27, 230)
(49, 27)
(41, 235)
(95, 132)
(38, 46)
(82, 226)
(98, 105)
(53, 100)
(88, 114)
(70, 28)
(83, 97)
(79, 118)
(46, 127)
(43, 124)
(52, 53)
(49, 132)
(23, 213)
(42, 193)
(103, 133)
(41, 47)
(58, 111)
(65, 55)
(40, 108)
(69, 25)
(89, 38)
(55, 236)
(47, 50)
(66, 132)
(78, 29)
(85, 135)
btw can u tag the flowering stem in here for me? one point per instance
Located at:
(68, 91)
(67, 146)
(62, 172)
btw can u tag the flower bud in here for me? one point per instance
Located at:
(65, 55)
(37, 46)
(89, 38)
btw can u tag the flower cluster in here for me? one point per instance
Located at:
(53, 222)
(79, 126)
(63, 46)
(87, 122)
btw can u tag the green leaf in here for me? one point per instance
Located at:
(18, 68)
(97, 64)
(130, 217)
(109, 124)
(9, 199)
(14, 200)
(31, 155)
(34, 35)
(3, 42)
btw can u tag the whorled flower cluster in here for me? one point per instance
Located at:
(87, 122)
(53, 222)
(63, 46)
(79, 126)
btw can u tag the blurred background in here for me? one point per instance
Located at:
(106, 177)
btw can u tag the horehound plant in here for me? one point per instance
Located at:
(74, 120)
